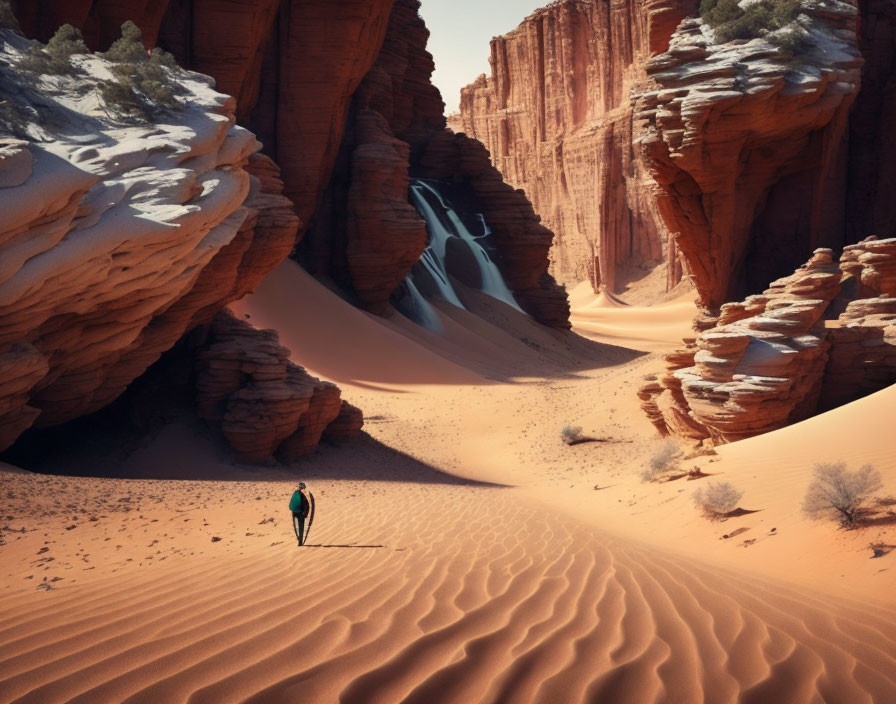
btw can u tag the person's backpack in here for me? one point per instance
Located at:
(296, 502)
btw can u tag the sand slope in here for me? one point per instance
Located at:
(488, 602)
(427, 587)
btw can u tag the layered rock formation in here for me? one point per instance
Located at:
(814, 340)
(748, 148)
(757, 156)
(556, 115)
(117, 245)
(116, 239)
(264, 404)
(366, 236)
(293, 66)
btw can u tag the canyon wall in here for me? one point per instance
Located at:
(748, 147)
(636, 145)
(871, 208)
(292, 65)
(323, 87)
(557, 117)
(366, 236)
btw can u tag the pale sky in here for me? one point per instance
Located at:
(461, 32)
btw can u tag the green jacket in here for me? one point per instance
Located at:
(299, 503)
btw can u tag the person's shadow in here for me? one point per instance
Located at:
(318, 545)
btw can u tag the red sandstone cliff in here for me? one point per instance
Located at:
(556, 115)
(871, 208)
(294, 69)
(748, 148)
(749, 184)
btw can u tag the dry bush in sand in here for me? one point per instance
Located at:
(8, 17)
(55, 58)
(571, 434)
(838, 493)
(662, 460)
(717, 499)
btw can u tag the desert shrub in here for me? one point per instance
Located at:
(160, 57)
(129, 47)
(120, 97)
(571, 434)
(67, 42)
(716, 499)
(838, 493)
(718, 12)
(55, 58)
(142, 85)
(729, 21)
(664, 458)
(8, 17)
(792, 41)
(14, 117)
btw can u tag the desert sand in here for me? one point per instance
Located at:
(461, 552)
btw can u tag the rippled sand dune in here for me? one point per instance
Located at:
(462, 553)
(444, 594)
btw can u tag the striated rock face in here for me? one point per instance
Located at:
(523, 243)
(263, 403)
(872, 139)
(817, 339)
(367, 236)
(758, 159)
(113, 245)
(748, 149)
(557, 117)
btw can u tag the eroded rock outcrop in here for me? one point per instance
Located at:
(264, 404)
(556, 115)
(118, 238)
(292, 66)
(748, 148)
(812, 341)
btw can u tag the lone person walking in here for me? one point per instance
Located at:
(299, 505)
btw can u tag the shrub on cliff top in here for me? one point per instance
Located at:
(730, 21)
(56, 57)
(14, 117)
(8, 17)
(129, 47)
(142, 84)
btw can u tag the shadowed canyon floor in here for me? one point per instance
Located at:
(462, 552)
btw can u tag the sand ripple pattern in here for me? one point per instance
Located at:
(475, 596)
